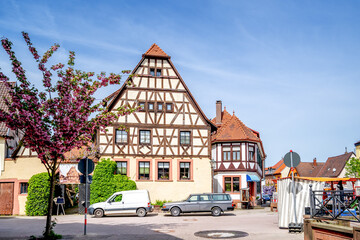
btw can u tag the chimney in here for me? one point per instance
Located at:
(314, 162)
(346, 150)
(218, 111)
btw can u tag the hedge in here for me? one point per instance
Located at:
(106, 182)
(38, 195)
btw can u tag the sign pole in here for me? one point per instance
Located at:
(293, 186)
(86, 186)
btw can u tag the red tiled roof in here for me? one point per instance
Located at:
(336, 163)
(307, 169)
(233, 129)
(277, 168)
(156, 51)
(225, 116)
(4, 92)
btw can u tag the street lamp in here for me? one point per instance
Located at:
(212, 164)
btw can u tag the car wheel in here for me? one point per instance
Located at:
(175, 211)
(98, 213)
(216, 211)
(141, 212)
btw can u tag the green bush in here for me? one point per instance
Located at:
(160, 203)
(38, 195)
(106, 182)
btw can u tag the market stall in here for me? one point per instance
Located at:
(302, 191)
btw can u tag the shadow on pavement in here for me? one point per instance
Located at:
(20, 228)
(200, 215)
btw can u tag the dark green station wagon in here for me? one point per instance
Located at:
(216, 203)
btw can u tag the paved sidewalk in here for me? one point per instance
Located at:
(259, 224)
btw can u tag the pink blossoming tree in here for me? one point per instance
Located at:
(62, 117)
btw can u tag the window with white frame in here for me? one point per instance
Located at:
(163, 170)
(144, 170)
(122, 167)
(184, 171)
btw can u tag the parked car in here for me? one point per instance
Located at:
(126, 202)
(265, 198)
(216, 203)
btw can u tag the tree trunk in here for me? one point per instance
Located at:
(50, 202)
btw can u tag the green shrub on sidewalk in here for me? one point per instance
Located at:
(106, 182)
(38, 195)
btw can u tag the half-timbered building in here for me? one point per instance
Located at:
(238, 154)
(165, 146)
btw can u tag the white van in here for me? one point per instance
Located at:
(126, 202)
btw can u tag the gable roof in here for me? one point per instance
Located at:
(336, 163)
(307, 169)
(156, 51)
(357, 143)
(276, 169)
(4, 92)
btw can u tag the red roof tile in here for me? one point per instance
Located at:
(307, 169)
(225, 116)
(156, 51)
(276, 169)
(336, 163)
(233, 129)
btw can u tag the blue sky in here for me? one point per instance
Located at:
(289, 69)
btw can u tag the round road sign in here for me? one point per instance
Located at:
(82, 165)
(292, 156)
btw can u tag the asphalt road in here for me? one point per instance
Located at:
(256, 224)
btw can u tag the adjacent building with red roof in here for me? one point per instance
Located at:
(238, 154)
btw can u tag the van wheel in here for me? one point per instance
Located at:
(175, 211)
(98, 213)
(141, 212)
(216, 211)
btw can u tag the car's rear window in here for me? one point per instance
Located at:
(221, 197)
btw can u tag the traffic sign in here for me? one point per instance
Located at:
(82, 166)
(292, 159)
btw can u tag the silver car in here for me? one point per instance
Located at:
(216, 203)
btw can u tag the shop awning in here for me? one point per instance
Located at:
(252, 178)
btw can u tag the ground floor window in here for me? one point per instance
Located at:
(121, 168)
(144, 170)
(184, 171)
(24, 188)
(232, 184)
(163, 170)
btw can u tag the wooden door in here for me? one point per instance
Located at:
(6, 198)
